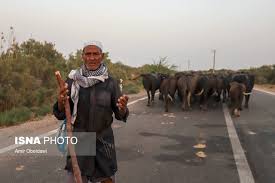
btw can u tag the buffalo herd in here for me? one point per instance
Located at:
(189, 87)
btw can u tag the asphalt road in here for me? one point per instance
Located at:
(157, 147)
(256, 130)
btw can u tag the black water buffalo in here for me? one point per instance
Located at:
(206, 85)
(151, 82)
(213, 85)
(192, 87)
(168, 89)
(248, 80)
(184, 87)
(222, 87)
(236, 93)
(187, 86)
(194, 84)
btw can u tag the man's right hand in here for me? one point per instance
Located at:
(62, 96)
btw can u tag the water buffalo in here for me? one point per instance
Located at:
(205, 86)
(236, 93)
(222, 87)
(248, 80)
(194, 87)
(168, 89)
(151, 82)
(183, 86)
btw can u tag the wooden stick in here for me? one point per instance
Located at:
(76, 170)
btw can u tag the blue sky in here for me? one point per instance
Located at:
(136, 32)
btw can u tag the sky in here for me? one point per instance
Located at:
(138, 32)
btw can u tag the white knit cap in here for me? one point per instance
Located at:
(94, 43)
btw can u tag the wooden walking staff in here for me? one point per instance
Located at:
(76, 170)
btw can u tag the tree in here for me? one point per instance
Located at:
(40, 50)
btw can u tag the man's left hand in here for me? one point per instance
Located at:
(122, 103)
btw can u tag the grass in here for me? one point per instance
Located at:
(14, 116)
(131, 88)
(22, 114)
(42, 110)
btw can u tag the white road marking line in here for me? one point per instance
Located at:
(251, 133)
(135, 101)
(14, 146)
(264, 91)
(244, 170)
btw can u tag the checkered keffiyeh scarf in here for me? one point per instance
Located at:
(85, 78)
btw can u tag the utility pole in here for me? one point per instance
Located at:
(214, 61)
(188, 64)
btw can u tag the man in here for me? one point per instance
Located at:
(94, 96)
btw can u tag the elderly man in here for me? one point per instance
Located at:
(94, 96)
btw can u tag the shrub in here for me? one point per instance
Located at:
(131, 88)
(42, 110)
(14, 116)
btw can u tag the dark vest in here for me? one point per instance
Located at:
(94, 109)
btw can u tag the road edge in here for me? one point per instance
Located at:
(264, 91)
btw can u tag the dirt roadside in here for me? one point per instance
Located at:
(38, 127)
(266, 87)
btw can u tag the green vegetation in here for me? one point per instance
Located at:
(28, 87)
(15, 116)
(131, 88)
(264, 74)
